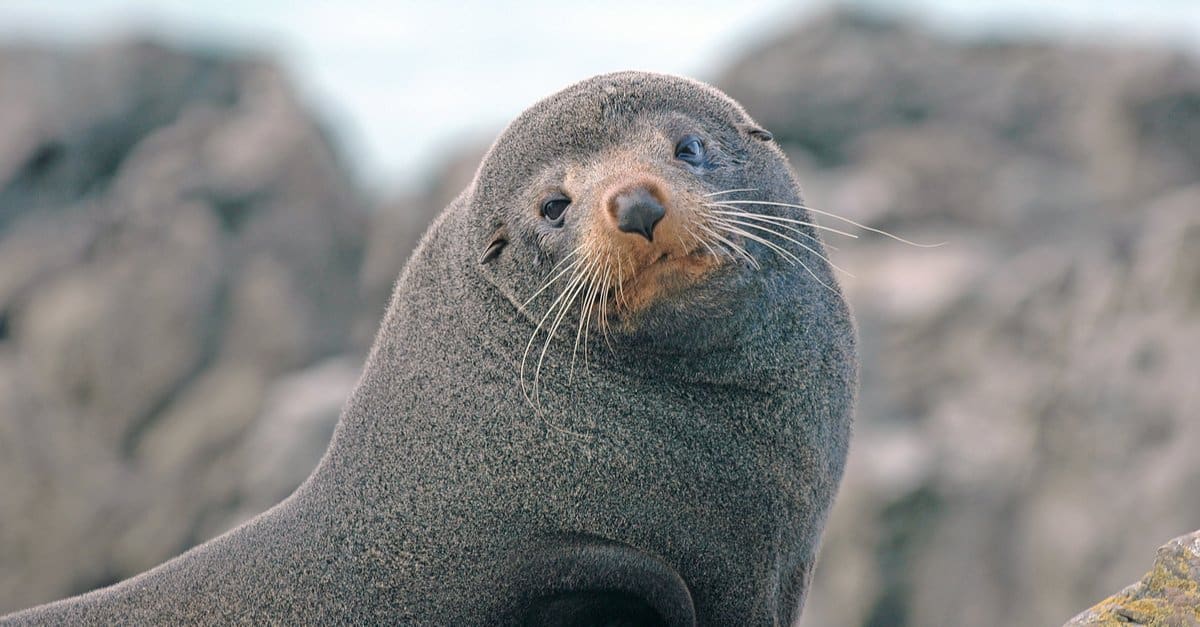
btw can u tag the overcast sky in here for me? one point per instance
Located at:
(402, 81)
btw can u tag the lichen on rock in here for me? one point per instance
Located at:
(1169, 595)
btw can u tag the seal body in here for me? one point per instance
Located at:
(593, 399)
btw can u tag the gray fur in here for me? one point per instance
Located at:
(714, 430)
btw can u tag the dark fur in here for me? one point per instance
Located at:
(715, 429)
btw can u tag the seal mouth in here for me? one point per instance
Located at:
(668, 259)
(668, 275)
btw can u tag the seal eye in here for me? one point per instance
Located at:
(553, 209)
(690, 150)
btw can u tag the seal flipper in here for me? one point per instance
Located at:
(595, 583)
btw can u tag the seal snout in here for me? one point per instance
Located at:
(643, 234)
(637, 209)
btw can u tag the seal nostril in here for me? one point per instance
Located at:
(637, 211)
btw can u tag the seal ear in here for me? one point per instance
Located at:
(497, 243)
(759, 133)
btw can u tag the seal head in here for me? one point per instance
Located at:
(619, 175)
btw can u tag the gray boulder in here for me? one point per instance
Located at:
(176, 234)
(1168, 595)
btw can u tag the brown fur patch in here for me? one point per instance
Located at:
(638, 271)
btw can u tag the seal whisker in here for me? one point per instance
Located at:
(578, 334)
(702, 242)
(721, 251)
(785, 223)
(575, 278)
(692, 235)
(532, 337)
(738, 249)
(732, 210)
(563, 310)
(620, 280)
(730, 191)
(584, 316)
(576, 275)
(785, 253)
(604, 328)
(836, 217)
(588, 307)
(605, 294)
(579, 285)
(572, 266)
(600, 302)
(732, 246)
(573, 287)
(794, 241)
(595, 302)
(555, 277)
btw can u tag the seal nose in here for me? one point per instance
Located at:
(637, 211)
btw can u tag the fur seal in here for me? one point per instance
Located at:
(613, 387)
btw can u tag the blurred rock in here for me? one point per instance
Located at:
(397, 226)
(298, 416)
(1026, 430)
(986, 133)
(176, 234)
(1168, 595)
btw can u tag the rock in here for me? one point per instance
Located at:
(982, 133)
(1168, 595)
(70, 117)
(176, 233)
(292, 431)
(1032, 379)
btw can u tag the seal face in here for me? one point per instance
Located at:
(637, 205)
(640, 224)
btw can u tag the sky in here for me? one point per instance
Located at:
(405, 83)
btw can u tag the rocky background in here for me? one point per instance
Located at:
(1168, 595)
(189, 278)
(1030, 413)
